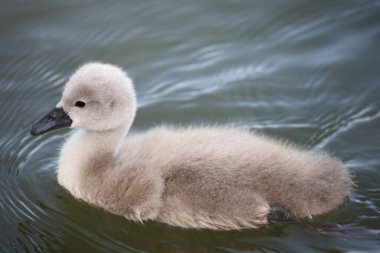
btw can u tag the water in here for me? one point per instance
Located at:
(303, 71)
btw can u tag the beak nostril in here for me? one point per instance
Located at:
(55, 119)
(51, 117)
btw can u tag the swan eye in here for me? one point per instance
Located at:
(80, 104)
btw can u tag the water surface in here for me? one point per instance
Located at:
(305, 71)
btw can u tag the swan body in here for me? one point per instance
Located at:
(195, 177)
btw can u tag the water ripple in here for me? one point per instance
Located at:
(332, 129)
(306, 72)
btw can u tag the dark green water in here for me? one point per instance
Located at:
(306, 71)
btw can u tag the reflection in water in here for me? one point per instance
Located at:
(306, 72)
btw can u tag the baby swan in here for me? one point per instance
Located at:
(216, 178)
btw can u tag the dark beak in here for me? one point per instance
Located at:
(57, 118)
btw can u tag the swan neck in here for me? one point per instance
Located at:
(105, 140)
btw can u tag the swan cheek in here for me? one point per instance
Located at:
(76, 121)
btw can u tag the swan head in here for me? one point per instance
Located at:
(97, 97)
